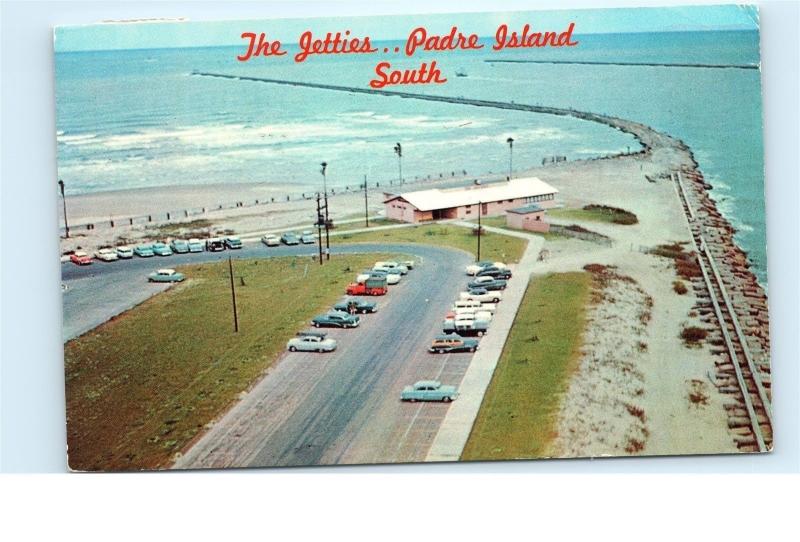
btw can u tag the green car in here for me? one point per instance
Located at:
(143, 251)
(166, 275)
(336, 319)
(352, 306)
(179, 246)
(161, 249)
(428, 390)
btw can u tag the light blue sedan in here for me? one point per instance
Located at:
(143, 251)
(429, 390)
(161, 249)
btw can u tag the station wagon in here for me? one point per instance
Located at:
(336, 319)
(452, 342)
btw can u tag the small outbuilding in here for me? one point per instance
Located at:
(530, 217)
(466, 202)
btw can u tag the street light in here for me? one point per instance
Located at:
(510, 142)
(64, 200)
(398, 150)
(327, 220)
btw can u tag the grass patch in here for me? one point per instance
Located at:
(597, 213)
(194, 228)
(373, 222)
(142, 385)
(686, 263)
(494, 246)
(518, 413)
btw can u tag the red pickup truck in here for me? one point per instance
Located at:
(371, 286)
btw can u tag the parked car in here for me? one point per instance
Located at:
(195, 245)
(409, 264)
(124, 252)
(308, 238)
(290, 238)
(390, 266)
(161, 249)
(215, 244)
(392, 277)
(495, 272)
(232, 242)
(336, 319)
(487, 283)
(143, 251)
(165, 275)
(483, 316)
(79, 257)
(428, 390)
(179, 246)
(475, 268)
(482, 295)
(310, 341)
(467, 328)
(271, 240)
(352, 306)
(106, 255)
(452, 342)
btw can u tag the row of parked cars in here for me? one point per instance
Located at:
(347, 313)
(147, 250)
(289, 239)
(463, 325)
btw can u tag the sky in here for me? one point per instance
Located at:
(151, 35)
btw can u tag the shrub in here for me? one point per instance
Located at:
(693, 334)
(679, 287)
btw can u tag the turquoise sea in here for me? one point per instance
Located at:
(137, 118)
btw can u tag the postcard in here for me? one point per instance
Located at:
(410, 239)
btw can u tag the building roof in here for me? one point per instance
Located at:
(438, 198)
(526, 209)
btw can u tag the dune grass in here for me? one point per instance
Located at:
(494, 246)
(142, 385)
(597, 213)
(518, 413)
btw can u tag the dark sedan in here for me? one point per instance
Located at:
(352, 306)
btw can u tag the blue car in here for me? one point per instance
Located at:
(143, 251)
(161, 249)
(179, 246)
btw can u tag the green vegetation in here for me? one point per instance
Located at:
(494, 246)
(142, 385)
(194, 228)
(693, 335)
(518, 413)
(597, 213)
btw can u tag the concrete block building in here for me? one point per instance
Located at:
(530, 217)
(465, 202)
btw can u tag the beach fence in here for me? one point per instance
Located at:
(592, 237)
(195, 212)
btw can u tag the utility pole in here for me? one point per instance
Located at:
(320, 220)
(64, 200)
(327, 219)
(366, 203)
(510, 142)
(398, 149)
(480, 212)
(233, 297)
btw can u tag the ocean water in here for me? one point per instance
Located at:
(133, 119)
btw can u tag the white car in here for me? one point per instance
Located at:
(475, 268)
(271, 240)
(390, 266)
(125, 252)
(483, 316)
(391, 276)
(106, 255)
(482, 295)
(311, 343)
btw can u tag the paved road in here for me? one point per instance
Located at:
(314, 408)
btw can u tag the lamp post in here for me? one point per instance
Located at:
(398, 150)
(510, 142)
(324, 166)
(480, 208)
(64, 200)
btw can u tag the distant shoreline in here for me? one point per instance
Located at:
(610, 63)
